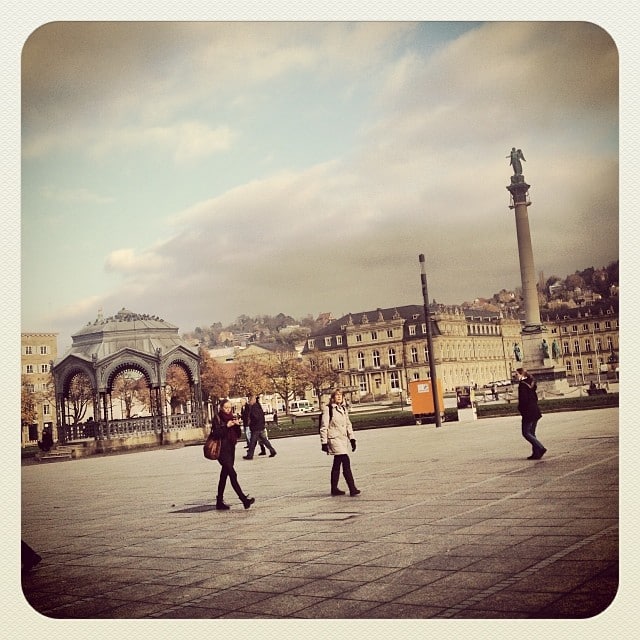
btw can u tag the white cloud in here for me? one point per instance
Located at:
(79, 195)
(128, 262)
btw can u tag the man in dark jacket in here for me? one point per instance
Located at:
(258, 425)
(530, 412)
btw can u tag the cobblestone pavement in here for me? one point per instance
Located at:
(452, 522)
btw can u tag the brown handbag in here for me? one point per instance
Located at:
(212, 447)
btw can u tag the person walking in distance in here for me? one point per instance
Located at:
(258, 426)
(336, 436)
(246, 418)
(530, 412)
(230, 429)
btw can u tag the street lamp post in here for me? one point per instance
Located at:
(432, 364)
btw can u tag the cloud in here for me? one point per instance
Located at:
(427, 173)
(128, 262)
(79, 195)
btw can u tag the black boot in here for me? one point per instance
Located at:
(220, 505)
(348, 476)
(247, 502)
(335, 477)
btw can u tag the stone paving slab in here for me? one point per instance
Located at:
(451, 523)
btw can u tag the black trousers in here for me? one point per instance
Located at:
(342, 461)
(226, 461)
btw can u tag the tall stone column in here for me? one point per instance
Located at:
(537, 343)
(519, 190)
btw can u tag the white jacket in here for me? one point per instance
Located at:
(337, 433)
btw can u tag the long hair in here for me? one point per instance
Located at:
(333, 395)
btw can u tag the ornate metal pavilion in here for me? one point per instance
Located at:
(104, 349)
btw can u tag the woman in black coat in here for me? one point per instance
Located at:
(229, 427)
(530, 412)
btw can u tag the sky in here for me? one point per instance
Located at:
(198, 171)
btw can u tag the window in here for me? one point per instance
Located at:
(414, 354)
(358, 338)
(30, 388)
(327, 341)
(46, 410)
(338, 339)
(424, 327)
(565, 348)
(565, 329)
(567, 364)
(360, 360)
(412, 329)
(44, 350)
(590, 364)
(598, 344)
(579, 364)
(395, 379)
(389, 333)
(362, 383)
(574, 328)
(374, 335)
(426, 352)
(311, 344)
(576, 346)
(341, 363)
(416, 375)
(607, 324)
(609, 344)
(587, 345)
(376, 359)
(392, 357)
(44, 368)
(28, 350)
(585, 327)
(596, 326)
(29, 368)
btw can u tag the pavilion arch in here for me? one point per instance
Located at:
(107, 348)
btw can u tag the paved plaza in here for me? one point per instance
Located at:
(451, 523)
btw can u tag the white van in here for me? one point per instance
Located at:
(300, 406)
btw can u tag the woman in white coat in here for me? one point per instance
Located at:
(336, 436)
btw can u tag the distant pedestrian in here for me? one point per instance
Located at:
(336, 436)
(530, 412)
(494, 391)
(229, 427)
(258, 426)
(47, 440)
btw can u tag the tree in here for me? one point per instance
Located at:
(178, 388)
(28, 413)
(286, 374)
(321, 376)
(130, 387)
(80, 395)
(250, 378)
(213, 379)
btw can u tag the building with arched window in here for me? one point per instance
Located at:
(378, 352)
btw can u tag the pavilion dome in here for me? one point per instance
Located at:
(125, 330)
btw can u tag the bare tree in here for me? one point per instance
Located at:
(79, 398)
(287, 375)
(320, 376)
